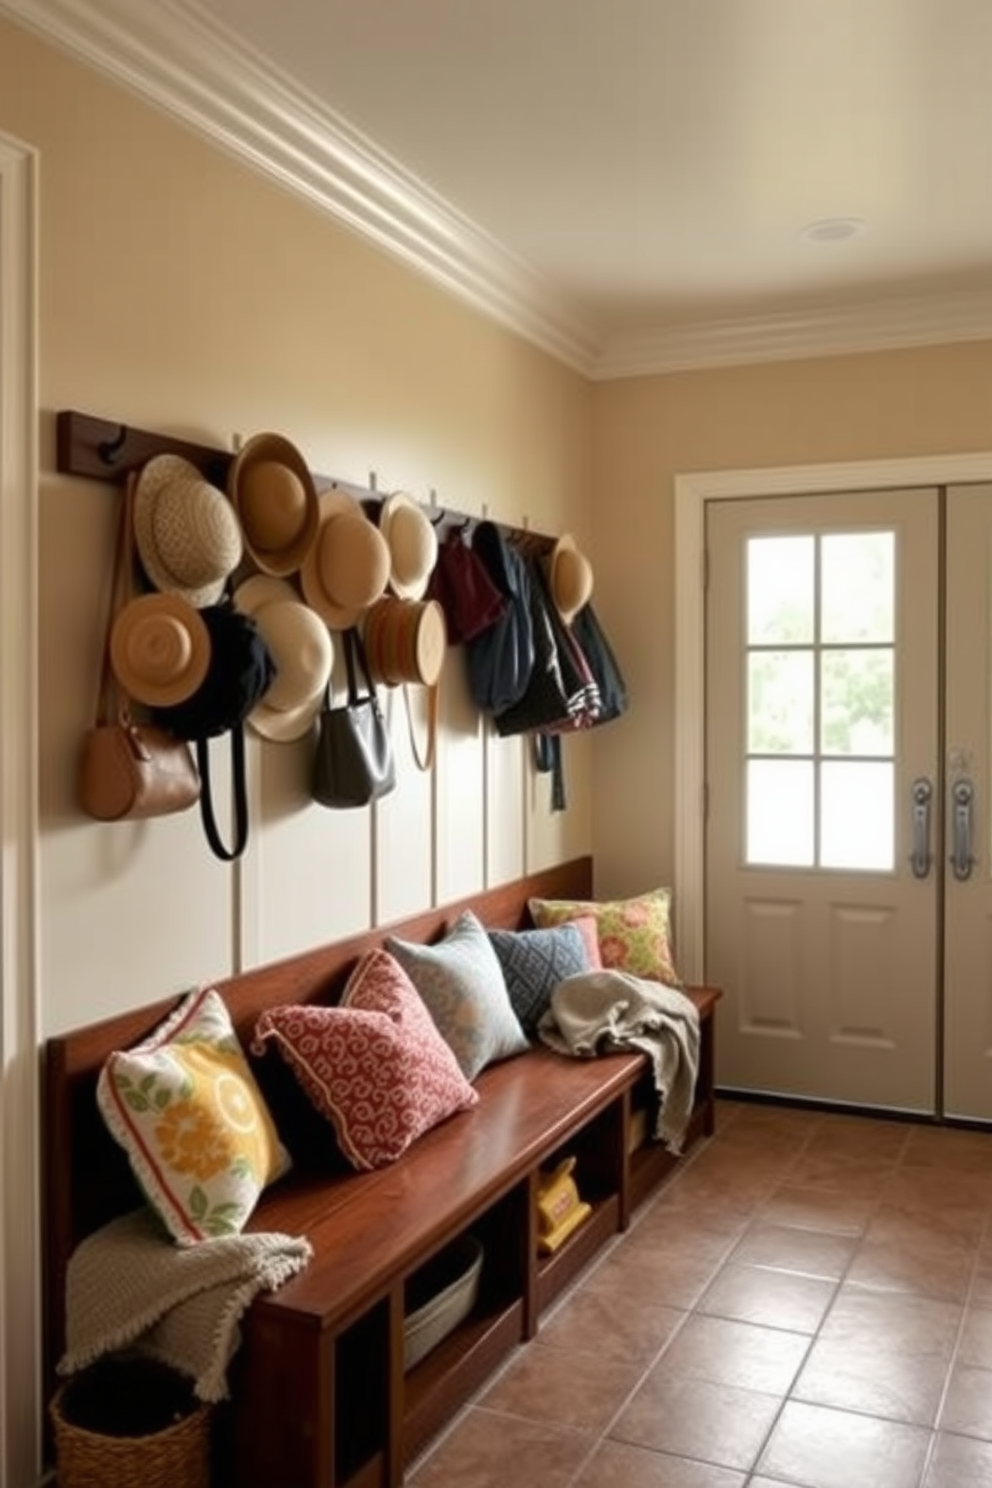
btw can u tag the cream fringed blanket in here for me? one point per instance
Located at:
(600, 1011)
(129, 1284)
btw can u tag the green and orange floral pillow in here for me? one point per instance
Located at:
(635, 935)
(185, 1107)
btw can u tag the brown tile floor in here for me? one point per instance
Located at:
(807, 1302)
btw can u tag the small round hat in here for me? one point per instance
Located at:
(570, 576)
(347, 568)
(159, 649)
(412, 543)
(274, 495)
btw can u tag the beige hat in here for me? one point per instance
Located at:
(301, 647)
(570, 576)
(347, 568)
(405, 640)
(159, 649)
(187, 533)
(412, 545)
(275, 497)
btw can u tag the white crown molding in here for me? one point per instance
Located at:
(881, 325)
(172, 53)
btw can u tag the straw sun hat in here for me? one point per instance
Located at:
(303, 652)
(348, 566)
(186, 531)
(571, 579)
(412, 543)
(276, 500)
(159, 649)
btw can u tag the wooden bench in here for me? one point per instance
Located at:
(319, 1394)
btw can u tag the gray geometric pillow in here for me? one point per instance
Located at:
(461, 981)
(534, 962)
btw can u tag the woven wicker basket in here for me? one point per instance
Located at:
(176, 1456)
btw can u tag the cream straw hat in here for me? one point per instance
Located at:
(187, 532)
(301, 647)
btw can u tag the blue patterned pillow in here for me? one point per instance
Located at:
(534, 962)
(462, 984)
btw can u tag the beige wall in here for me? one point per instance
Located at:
(647, 431)
(183, 292)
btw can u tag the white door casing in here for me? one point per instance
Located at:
(20, 1021)
(692, 492)
(967, 962)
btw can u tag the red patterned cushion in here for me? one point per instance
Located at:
(375, 1066)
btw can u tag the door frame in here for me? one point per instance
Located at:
(20, 998)
(692, 491)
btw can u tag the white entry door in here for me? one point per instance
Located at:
(848, 882)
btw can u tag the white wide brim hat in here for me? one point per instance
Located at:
(301, 647)
(347, 568)
(570, 577)
(159, 649)
(186, 531)
(276, 501)
(412, 543)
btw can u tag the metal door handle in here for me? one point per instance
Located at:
(922, 792)
(962, 796)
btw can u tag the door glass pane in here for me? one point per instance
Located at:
(856, 701)
(780, 702)
(857, 587)
(780, 590)
(780, 812)
(856, 814)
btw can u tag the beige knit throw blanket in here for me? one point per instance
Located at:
(600, 1011)
(130, 1285)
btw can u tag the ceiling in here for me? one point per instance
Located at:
(630, 182)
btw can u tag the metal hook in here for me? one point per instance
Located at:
(109, 449)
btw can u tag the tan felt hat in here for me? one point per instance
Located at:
(159, 649)
(301, 647)
(187, 532)
(570, 576)
(412, 545)
(347, 568)
(276, 500)
(405, 641)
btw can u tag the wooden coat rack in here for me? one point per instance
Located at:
(104, 449)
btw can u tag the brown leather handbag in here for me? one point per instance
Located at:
(129, 769)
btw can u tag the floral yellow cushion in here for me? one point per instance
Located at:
(185, 1107)
(634, 934)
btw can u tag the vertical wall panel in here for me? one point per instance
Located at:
(460, 790)
(506, 777)
(403, 823)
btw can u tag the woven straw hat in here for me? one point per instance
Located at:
(275, 498)
(570, 576)
(186, 530)
(405, 641)
(159, 649)
(412, 545)
(347, 568)
(303, 652)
